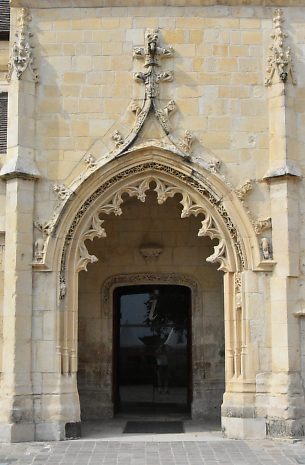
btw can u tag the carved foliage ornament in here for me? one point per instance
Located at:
(280, 58)
(243, 190)
(152, 53)
(62, 191)
(21, 57)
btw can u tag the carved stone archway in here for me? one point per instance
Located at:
(201, 193)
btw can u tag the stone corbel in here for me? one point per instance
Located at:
(151, 253)
(262, 225)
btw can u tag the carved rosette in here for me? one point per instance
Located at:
(280, 58)
(21, 57)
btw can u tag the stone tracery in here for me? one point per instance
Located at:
(164, 190)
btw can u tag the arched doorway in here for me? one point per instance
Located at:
(98, 199)
(150, 247)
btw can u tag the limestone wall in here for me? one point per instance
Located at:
(81, 110)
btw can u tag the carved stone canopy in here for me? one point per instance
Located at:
(164, 191)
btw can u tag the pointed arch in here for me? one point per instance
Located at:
(83, 216)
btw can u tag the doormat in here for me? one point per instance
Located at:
(154, 427)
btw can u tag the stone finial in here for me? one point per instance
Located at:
(21, 57)
(280, 58)
(152, 53)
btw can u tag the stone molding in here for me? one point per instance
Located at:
(147, 278)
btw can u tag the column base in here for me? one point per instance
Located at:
(280, 428)
(12, 432)
(243, 428)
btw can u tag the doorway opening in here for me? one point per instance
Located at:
(152, 349)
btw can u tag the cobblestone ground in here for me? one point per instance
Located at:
(154, 452)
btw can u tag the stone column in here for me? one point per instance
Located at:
(19, 171)
(285, 401)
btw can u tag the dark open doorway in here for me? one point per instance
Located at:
(152, 349)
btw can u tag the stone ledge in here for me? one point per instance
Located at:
(145, 3)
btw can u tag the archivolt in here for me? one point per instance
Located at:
(197, 197)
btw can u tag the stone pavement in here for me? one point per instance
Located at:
(103, 444)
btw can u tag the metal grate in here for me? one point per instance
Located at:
(3, 122)
(154, 427)
(4, 19)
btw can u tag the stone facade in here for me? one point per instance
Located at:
(142, 126)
